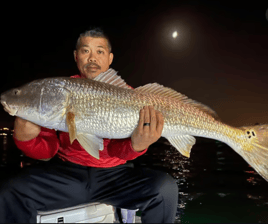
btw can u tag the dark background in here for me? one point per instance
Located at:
(219, 58)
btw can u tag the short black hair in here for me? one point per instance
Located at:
(95, 32)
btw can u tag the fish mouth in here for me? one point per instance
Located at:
(7, 108)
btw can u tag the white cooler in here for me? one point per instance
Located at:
(86, 213)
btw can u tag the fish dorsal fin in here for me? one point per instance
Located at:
(111, 77)
(91, 143)
(157, 89)
(183, 143)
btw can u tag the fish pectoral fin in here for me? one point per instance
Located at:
(183, 143)
(70, 120)
(91, 143)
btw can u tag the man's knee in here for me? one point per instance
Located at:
(163, 183)
(163, 198)
(6, 187)
(169, 187)
(14, 184)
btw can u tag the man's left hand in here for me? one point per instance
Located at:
(149, 129)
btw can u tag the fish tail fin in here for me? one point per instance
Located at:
(255, 150)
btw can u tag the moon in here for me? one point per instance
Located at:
(174, 34)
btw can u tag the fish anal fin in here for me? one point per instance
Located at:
(157, 89)
(91, 143)
(183, 143)
(70, 120)
(111, 77)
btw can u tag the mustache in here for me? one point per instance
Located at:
(92, 64)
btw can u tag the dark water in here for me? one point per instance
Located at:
(215, 184)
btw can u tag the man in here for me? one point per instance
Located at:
(74, 177)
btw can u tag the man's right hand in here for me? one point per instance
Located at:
(25, 130)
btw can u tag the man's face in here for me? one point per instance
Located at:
(92, 56)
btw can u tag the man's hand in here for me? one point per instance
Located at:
(25, 130)
(145, 135)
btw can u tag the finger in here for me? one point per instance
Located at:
(141, 121)
(152, 119)
(160, 122)
(146, 115)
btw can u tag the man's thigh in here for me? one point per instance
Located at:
(129, 187)
(47, 186)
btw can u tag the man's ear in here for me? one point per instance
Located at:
(111, 57)
(75, 55)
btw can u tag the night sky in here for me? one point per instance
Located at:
(219, 58)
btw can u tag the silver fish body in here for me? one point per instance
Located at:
(91, 110)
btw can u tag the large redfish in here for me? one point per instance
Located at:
(107, 107)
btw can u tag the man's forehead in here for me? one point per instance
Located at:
(94, 41)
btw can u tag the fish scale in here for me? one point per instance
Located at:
(107, 107)
(126, 102)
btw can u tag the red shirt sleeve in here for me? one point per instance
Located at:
(122, 148)
(44, 146)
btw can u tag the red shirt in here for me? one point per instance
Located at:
(46, 145)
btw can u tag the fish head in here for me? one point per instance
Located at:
(22, 100)
(40, 101)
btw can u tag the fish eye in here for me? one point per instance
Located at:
(16, 92)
